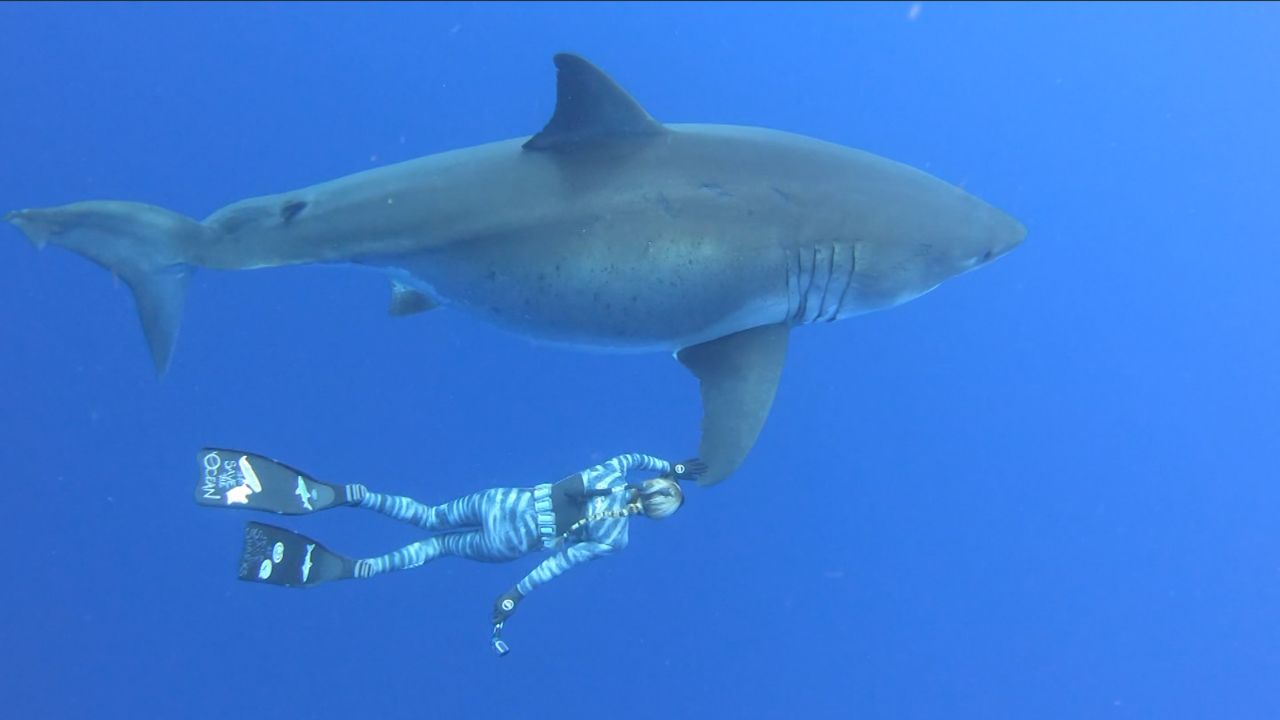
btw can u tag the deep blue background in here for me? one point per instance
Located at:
(1048, 489)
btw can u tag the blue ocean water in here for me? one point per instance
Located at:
(1045, 490)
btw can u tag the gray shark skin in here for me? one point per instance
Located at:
(606, 230)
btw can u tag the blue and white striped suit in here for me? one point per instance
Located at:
(502, 524)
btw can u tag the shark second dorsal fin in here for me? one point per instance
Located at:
(590, 107)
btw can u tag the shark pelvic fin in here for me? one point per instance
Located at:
(739, 377)
(590, 107)
(408, 301)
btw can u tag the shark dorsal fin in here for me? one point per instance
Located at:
(590, 107)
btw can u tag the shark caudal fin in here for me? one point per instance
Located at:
(146, 246)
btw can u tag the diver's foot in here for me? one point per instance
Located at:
(356, 493)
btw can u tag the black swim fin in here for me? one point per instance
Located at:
(233, 478)
(282, 557)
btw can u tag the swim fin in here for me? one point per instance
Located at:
(282, 557)
(233, 478)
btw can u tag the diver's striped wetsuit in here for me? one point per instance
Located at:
(505, 523)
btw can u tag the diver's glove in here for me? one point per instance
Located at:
(506, 605)
(688, 469)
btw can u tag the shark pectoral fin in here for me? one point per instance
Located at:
(407, 301)
(590, 106)
(739, 376)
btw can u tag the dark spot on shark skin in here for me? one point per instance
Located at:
(665, 205)
(715, 189)
(786, 197)
(290, 210)
(491, 276)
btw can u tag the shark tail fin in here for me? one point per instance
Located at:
(150, 248)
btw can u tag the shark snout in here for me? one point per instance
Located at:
(1010, 234)
(1003, 234)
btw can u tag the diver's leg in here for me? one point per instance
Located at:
(473, 545)
(400, 508)
(466, 512)
(410, 556)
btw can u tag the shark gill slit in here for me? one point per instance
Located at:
(811, 298)
(813, 279)
(793, 272)
(848, 282)
(831, 272)
(808, 288)
(802, 305)
(795, 289)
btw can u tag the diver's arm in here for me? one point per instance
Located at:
(609, 476)
(638, 461)
(548, 569)
(619, 467)
(575, 488)
(554, 566)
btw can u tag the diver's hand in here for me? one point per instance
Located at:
(506, 605)
(688, 469)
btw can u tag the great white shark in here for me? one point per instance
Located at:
(607, 229)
